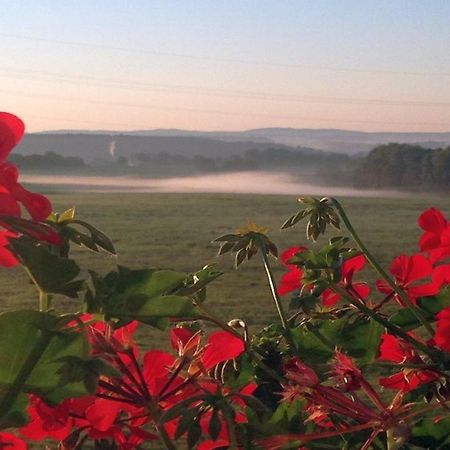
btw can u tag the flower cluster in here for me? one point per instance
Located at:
(13, 194)
(129, 402)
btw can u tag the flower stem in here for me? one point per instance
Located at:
(154, 411)
(380, 319)
(273, 289)
(231, 431)
(374, 263)
(44, 301)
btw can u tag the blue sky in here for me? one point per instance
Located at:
(369, 65)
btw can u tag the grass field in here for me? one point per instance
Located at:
(176, 230)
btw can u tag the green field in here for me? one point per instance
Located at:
(176, 230)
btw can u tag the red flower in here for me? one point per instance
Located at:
(7, 259)
(291, 280)
(50, 422)
(11, 191)
(359, 290)
(395, 350)
(442, 336)
(407, 271)
(347, 374)
(221, 346)
(11, 132)
(436, 238)
(10, 442)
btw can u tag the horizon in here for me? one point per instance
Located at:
(245, 130)
(232, 66)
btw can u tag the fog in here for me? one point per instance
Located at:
(236, 182)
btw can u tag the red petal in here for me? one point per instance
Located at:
(330, 298)
(221, 346)
(383, 287)
(428, 241)
(289, 253)
(37, 205)
(362, 289)
(407, 269)
(442, 335)
(290, 281)
(352, 265)
(9, 174)
(211, 445)
(179, 337)
(8, 205)
(432, 220)
(424, 290)
(441, 275)
(9, 441)
(11, 132)
(103, 413)
(445, 237)
(391, 349)
(156, 366)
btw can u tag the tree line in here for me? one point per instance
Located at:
(404, 166)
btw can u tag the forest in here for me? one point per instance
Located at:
(404, 166)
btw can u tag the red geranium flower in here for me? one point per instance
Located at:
(12, 192)
(395, 350)
(442, 336)
(358, 290)
(436, 238)
(408, 271)
(221, 346)
(291, 280)
(10, 442)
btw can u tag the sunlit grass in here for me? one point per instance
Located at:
(176, 230)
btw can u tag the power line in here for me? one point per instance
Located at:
(219, 59)
(208, 111)
(227, 93)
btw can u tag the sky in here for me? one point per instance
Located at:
(226, 64)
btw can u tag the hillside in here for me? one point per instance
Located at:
(340, 141)
(94, 147)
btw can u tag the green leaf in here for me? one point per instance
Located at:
(17, 416)
(358, 337)
(194, 433)
(19, 333)
(97, 236)
(215, 424)
(430, 433)
(429, 307)
(52, 274)
(148, 296)
(186, 422)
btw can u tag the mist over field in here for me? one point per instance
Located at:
(233, 182)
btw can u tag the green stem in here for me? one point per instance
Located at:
(380, 319)
(156, 416)
(44, 298)
(21, 378)
(374, 263)
(44, 301)
(273, 288)
(233, 445)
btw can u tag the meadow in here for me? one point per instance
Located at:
(176, 231)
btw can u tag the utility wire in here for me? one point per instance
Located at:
(217, 59)
(227, 93)
(208, 111)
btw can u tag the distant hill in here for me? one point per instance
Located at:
(103, 147)
(340, 141)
